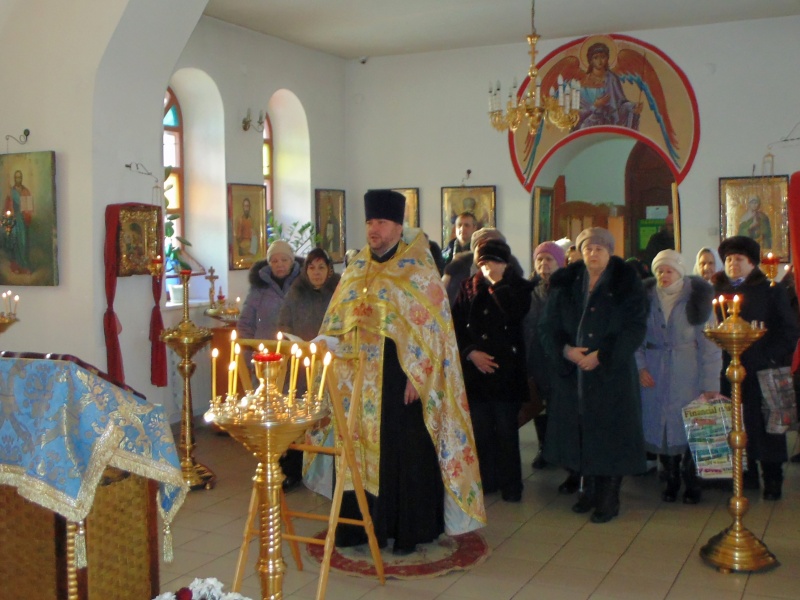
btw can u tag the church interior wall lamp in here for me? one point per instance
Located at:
(247, 122)
(559, 106)
(21, 140)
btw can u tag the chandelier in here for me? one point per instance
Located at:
(560, 106)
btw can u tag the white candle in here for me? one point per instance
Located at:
(16, 301)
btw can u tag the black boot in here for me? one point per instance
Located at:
(693, 490)
(571, 483)
(773, 480)
(672, 477)
(586, 497)
(540, 423)
(607, 493)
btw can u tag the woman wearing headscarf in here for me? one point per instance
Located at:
(270, 281)
(547, 258)
(770, 304)
(301, 314)
(677, 363)
(487, 318)
(705, 265)
(593, 322)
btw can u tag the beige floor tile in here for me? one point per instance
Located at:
(631, 564)
(538, 591)
(773, 585)
(693, 591)
(631, 587)
(496, 586)
(581, 557)
(578, 580)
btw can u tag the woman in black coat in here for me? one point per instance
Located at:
(594, 320)
(487, 316)
(770, 304)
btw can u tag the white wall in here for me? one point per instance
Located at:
(420, 121)
(405, 121)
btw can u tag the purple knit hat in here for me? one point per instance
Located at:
(553, 250)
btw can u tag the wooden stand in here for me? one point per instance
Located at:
(347, 461)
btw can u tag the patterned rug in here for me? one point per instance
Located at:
(446, 554)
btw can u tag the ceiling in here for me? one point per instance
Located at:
(363, 28)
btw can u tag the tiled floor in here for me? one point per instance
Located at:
(540, 549)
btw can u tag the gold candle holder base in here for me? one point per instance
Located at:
(7, 321)
(268, 440)
(737, 550)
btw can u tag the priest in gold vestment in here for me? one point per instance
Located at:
(414, 443)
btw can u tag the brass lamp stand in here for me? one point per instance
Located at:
(186, 339)
(266, 422)
(736, 548)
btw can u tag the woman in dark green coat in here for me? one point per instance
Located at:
(594, 320)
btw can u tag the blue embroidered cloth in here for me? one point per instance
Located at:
(62, 422)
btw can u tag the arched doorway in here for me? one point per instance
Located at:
(648, 185)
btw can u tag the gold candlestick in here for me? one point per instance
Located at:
(736, 548)
(186, 339)
(265, 423)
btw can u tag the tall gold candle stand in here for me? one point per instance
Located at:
(736, 548)
(266, 422)
(186, 339)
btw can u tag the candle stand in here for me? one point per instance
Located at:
(266, 422)
(736, 548)
(186, 339)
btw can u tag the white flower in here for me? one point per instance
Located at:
(165, 596)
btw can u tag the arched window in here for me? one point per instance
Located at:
(266, 160)
(173, 158)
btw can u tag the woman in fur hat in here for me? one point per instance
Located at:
(676, 364)
(770, 304)
(594, 320)
(487, 317)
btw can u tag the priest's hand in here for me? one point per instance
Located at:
(411, 394)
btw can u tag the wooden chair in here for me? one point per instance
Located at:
(344, 428)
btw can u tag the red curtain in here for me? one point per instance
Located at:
(794, 238)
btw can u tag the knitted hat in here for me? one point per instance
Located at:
(280, 247)
(494, 250)
(551, 248)
(595, 235)
(669, 258)
(483, 234)
(740, 244)
(385, 204)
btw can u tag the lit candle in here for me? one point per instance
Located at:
(236, 351)
(736, 304)
(313, 348)
(280, 339)
(233, 343)
(261, 347)
(325, 362)
(292, 367)
(16, 301)
(5, 302)
(722, 305)
(214, 355)
(298, 354)
(714, 310)
(231, 371)
(307, 365)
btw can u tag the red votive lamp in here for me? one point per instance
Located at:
(186, 271)
(267, 356)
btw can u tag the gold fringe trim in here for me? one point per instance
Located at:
(80, 547)
(168, 552)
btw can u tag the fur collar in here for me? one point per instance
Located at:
(698, 303)
(622, 279)
(260, 275)
(723, 283)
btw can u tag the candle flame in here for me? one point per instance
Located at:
(736, 298)
(232, 366)
(261, 347)
(327, 360)
(280, 336)
(215, 353)
(233, 335)
(237, 349)
(294, 349)
(306, 362)
(313, 348)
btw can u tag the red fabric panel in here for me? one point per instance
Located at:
(111, 324)
(158, 349)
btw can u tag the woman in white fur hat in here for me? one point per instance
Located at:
(676, 364)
